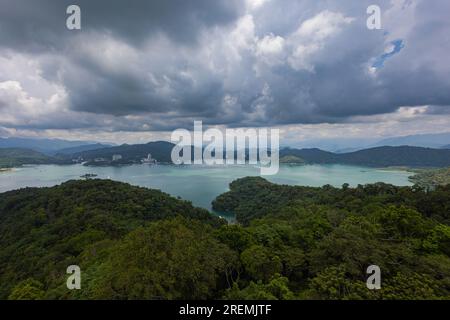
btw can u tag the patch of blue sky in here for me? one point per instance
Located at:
(398, 45)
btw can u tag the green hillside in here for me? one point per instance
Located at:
(431, 178)
(43, 230)
(14, 157)
(292, 243)
(161, 151)
(376, 157)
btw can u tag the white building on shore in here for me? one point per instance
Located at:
(116, 157)
(149, 159)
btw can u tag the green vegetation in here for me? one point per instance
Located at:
(16, 157)
(12, 157)
(403, 156)
(431, 178)
(291, 242)
(160, 151)
(376, 157)
(44, 230)
(321, 240)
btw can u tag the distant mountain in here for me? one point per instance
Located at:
(377, 157)
(160, 150)
(313, 155)
(48, 146)
(345, 145)
(446, 147)
(338, 145)
(13, 157)
(88, 147)
(423, 140)
(398, 156)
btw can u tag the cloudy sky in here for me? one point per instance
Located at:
(139, 69)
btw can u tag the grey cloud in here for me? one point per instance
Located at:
(166, 63)
(41, 24)
(438, 110)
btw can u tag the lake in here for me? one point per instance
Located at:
(200, 184)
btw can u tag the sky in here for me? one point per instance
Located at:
(139, 69)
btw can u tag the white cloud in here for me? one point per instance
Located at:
(243, 36)
(399, 19)
(311, 37)
(270, 45)
(19, 107)
(322, 26)
(255, 4)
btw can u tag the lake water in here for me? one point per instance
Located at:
(199, 184)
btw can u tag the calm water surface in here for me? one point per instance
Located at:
(199, 184)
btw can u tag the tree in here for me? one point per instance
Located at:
(276, 289)
(29, 289)
(260, 263)
(171, 259)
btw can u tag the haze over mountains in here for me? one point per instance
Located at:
(48, 146)
(161, 152)
(341, 145)
(386, 156)
(423, 140)
(429, 150)
(338, 145)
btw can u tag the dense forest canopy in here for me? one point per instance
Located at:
(290, 243)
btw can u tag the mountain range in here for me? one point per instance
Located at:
(343, 145)
(375, 157)
(15, 157)
(48, 146)
(81, 148)
(335, 144)
(385, 156)
(159, 150)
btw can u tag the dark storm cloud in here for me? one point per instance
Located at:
(41, 24)
(158, 65)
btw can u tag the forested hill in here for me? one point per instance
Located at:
(160, 150)
(335, 233)
(376, 157)
(254, 197)
(44, 230)
(78, 149)
(14, 157)
(295, 243)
